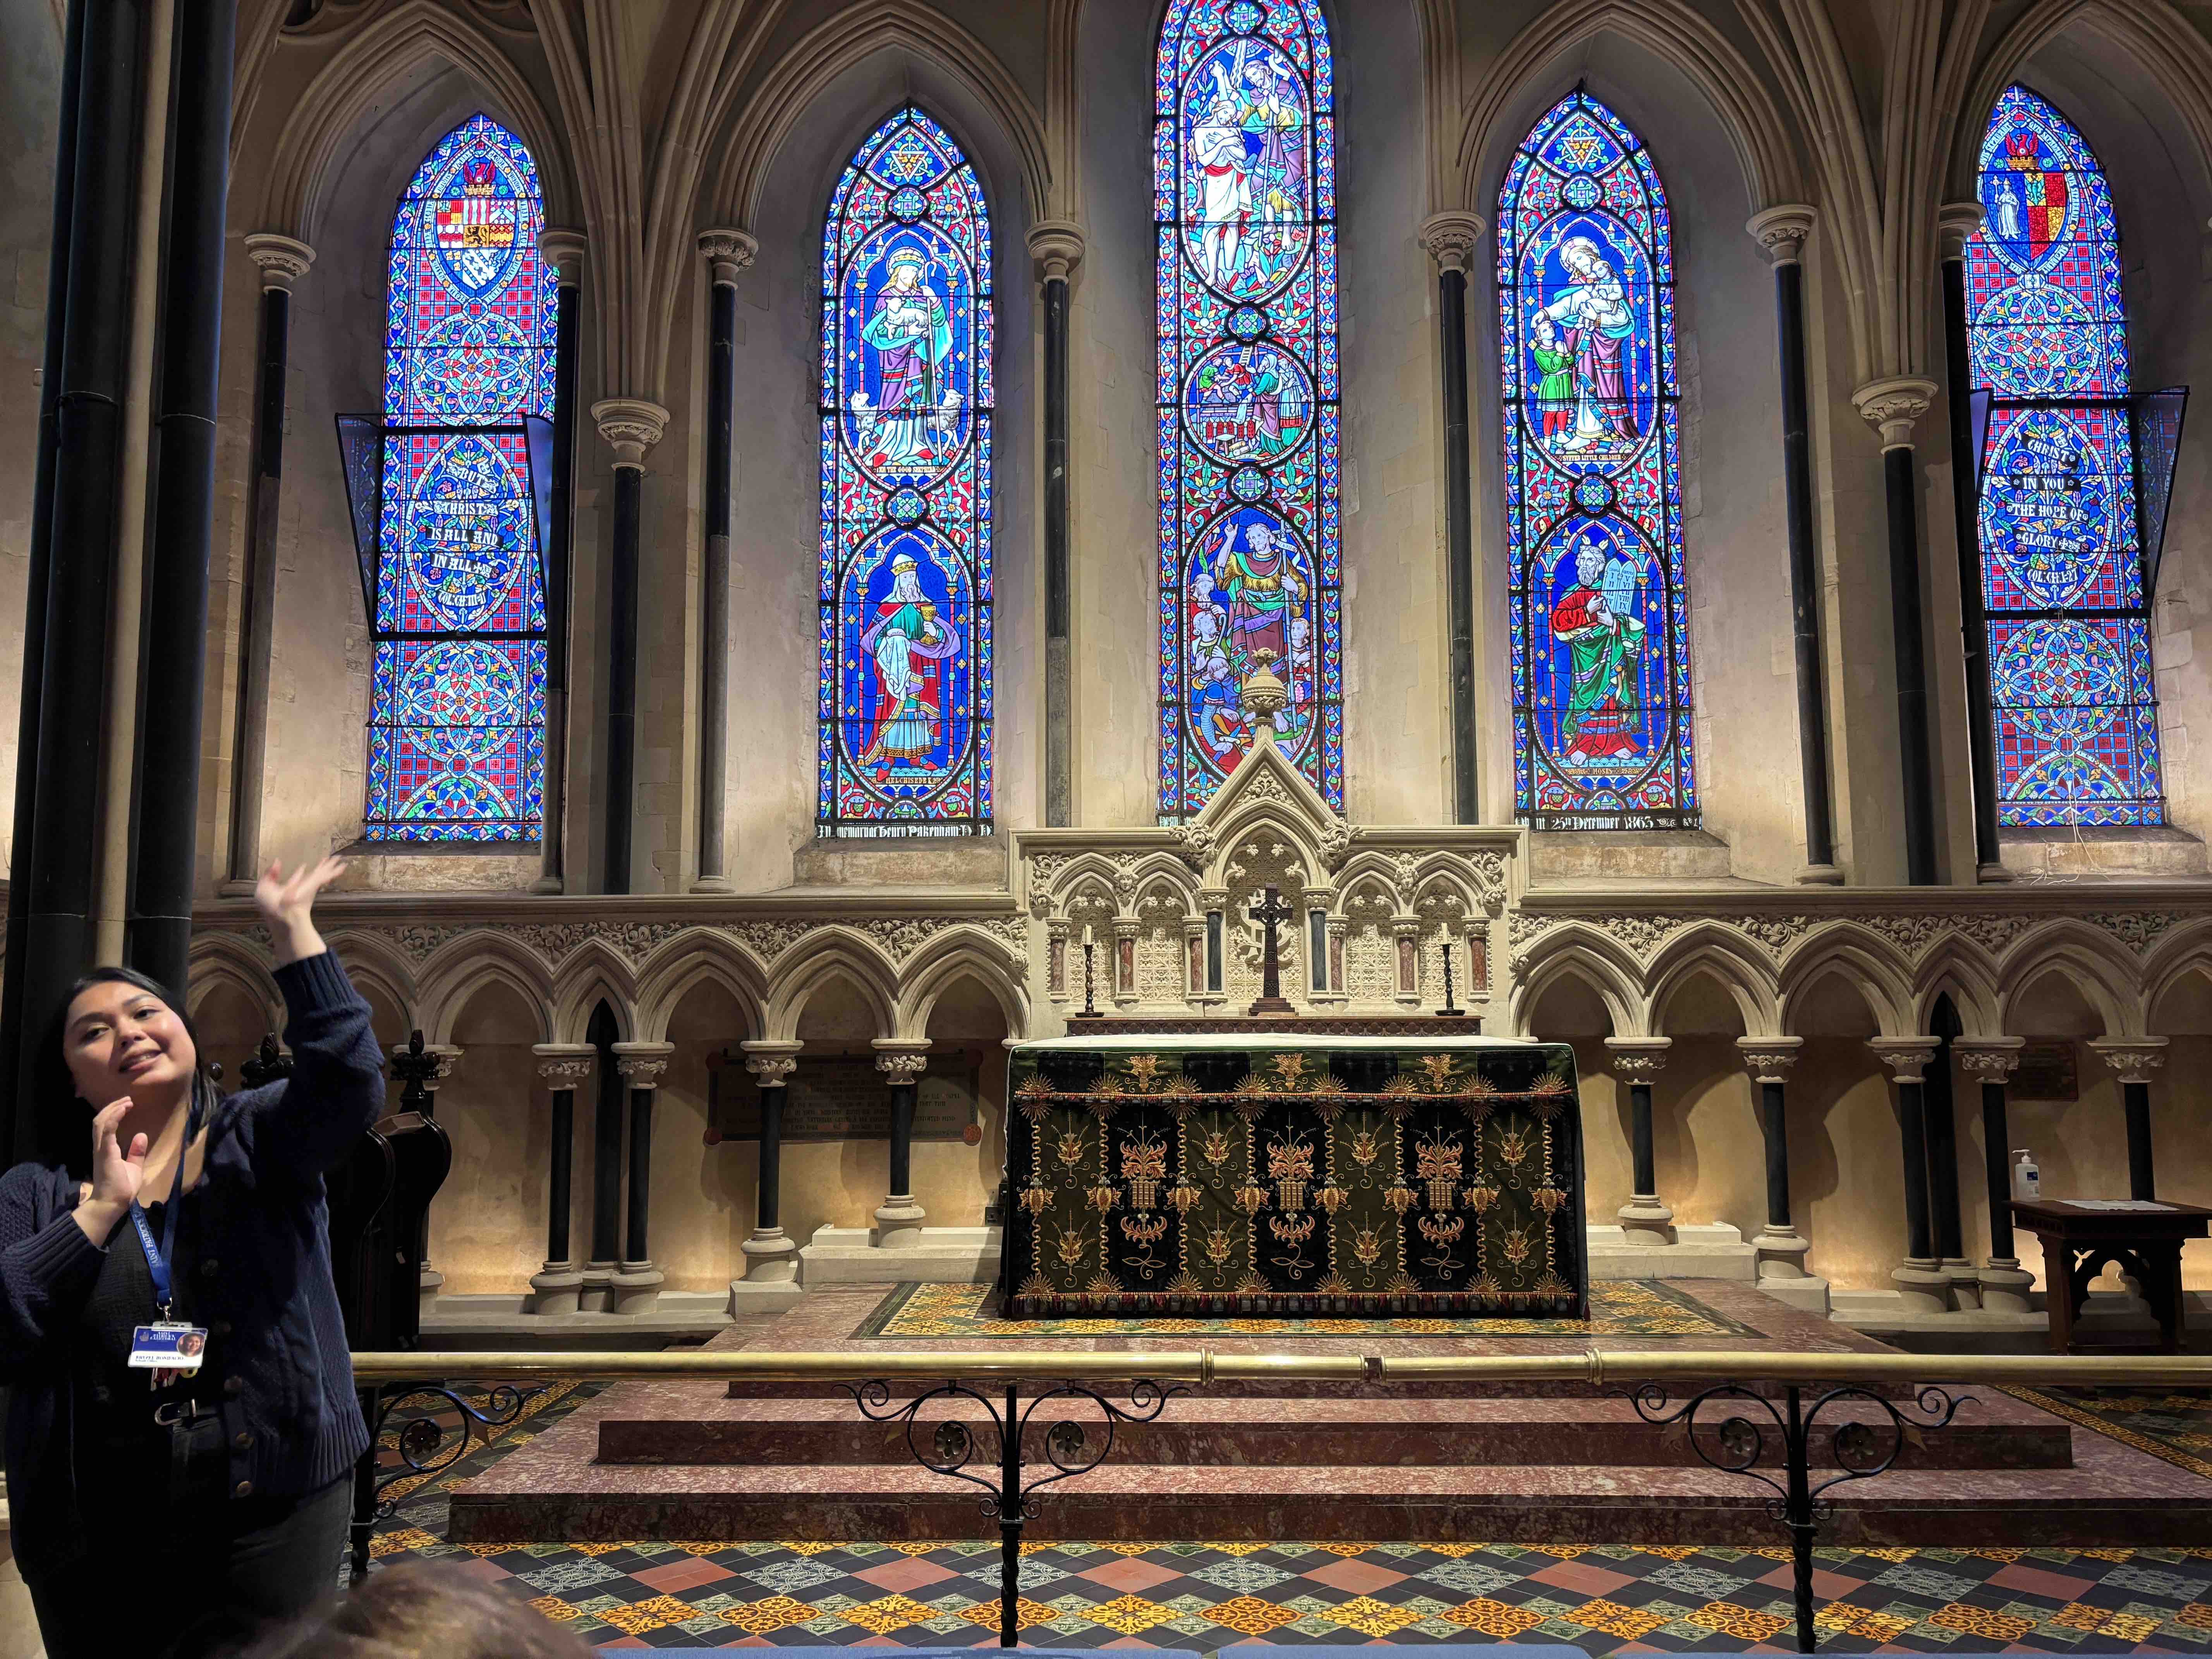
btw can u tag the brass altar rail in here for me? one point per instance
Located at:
(1204, 1365)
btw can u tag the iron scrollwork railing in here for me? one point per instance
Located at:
(1068, 1447)
(426, 1445)
(1858, 1449)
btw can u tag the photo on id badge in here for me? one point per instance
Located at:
(170, 1349)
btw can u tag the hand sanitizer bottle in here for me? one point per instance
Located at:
(2026, 1177)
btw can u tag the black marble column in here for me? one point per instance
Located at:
(1892, 406)
(636, 1285)
(901, 1062)
(728, 253)
(771, 1255)
(564, 250)
(631, 426)
(606, 1163)
(2133, 1061)
(1991, 1061)
(1958, 221)
(1945, 1221)
(1057, 247)
(1782, 1249)
(1922, 1281)
(1452, 240)
(555, 1287)
(1636, 1060)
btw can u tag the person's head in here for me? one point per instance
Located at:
(1545, 332)
(905, 271)
(118, 1033)
(1259, 538)
(423, 1610)
(1589, 562)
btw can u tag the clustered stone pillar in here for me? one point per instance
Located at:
(1782, 1248)
(902, 1061)
(2133, 1060)
(1892, 406)
(283, 261)
(557, 1287)
(1921, 1279)
(771, 1255)
(1451, 240)
(636, 1286)
(1636, 1060)
(1056, 244)
(728, 253)
(564, 250)
(1990, 1061)
(631, 426)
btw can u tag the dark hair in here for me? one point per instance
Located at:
(424, 1610)
(65, 1119)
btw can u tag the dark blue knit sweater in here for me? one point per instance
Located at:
(262, 1241)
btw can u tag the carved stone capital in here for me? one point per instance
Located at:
(1637, 1060)
(446, 1055)
(1988, 1060)
(641, 1063)
(1907, 1058)
(900, 1059)
(1057, 245)
(1452, 237)
(1769, 1059)
(1893, 406)
(728, 253)
(631, 425)
(283, 260)
(771, 1061)
(2132, 1058)
(1780, 231)
(564, 251)
(1955, 224)
(564, 1064)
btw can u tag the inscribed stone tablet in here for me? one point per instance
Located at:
(842, 1097)
(2046, 1071)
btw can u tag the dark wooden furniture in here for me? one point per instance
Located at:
(2142, 1239)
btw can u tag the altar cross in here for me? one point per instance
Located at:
(1269, 915)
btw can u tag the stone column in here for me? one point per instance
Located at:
(598, 1295)
(419, 1093)
(1125, 930)
(564, 250)
(2133, 1060)
(771, 1280)
(1056, 244)
(728, 253)
(283, 262)
(558, 1286)
(1945, 1224)
(1990, 1061)
(1892, 406)
(636, 1286)
(900, 1059)
(1780, 231)
(1782, 1248)
(1452, 239)
(1921, 1280)
(1636, 1060)
(631, 426)
(1955, 226)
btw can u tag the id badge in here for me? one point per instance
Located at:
(168, 1345)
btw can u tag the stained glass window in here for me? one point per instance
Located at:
(457, 710)
(2070, 682)
(1244, 211)
(905, 746)
(1599, 625)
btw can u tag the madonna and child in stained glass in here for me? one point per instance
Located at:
(1244, 207)
(2070, 674)
(905, 744)
(458, 693)
(1600, 640)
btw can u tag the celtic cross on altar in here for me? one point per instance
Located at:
(1269, 915)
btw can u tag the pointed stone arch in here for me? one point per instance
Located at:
(951, 956)
(695, 957)
(832, 953)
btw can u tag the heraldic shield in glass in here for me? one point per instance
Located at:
(2070, 682)
(905, 742)
(456, 711)
(1599, 626)
(1244, 211)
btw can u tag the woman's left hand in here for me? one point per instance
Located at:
(286, 904)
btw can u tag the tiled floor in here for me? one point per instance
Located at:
(1209, 1596)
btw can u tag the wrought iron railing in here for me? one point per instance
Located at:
(1714, 1382)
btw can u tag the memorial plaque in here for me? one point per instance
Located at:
(2046, 1071)
(842, 1097)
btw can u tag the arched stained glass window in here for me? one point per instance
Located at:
(1600, 633)
(1244, 211)
(2070, 681)
(456, 707)
(905, 744)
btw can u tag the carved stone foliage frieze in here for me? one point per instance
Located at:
(1912, 932)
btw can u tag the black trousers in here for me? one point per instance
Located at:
(196, 1575)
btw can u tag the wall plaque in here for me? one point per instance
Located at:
(2046, 1071)
(842, 1097)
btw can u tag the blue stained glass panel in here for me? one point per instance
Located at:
(2071, 689)
(1599, 639)
(456, 707)
(1244, 175)
(906, 409)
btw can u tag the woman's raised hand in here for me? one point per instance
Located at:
(117, 1172)
(286, 904)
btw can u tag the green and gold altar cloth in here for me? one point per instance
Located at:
(1284, 1175)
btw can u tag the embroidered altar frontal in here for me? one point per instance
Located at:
(1285, 1175)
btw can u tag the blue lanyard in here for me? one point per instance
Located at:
(158, 1257)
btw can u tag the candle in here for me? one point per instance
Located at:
(1086, 933)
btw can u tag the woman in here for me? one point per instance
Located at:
(181, 1417)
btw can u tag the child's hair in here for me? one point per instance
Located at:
(424, 1610)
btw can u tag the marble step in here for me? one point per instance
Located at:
(680, 1424)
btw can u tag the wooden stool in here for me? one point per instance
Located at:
(2140, 1238)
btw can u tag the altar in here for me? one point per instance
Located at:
(1256, 1170)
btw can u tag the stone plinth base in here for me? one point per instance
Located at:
(1646, 1223)
(939, 1255)
(898, 1224)
(636, 1289)
(1807, 1294)
(1708, 1250)
(555, 1289)
(764, 1296)
(2007, 1288)
(1923, 1289)
(427, 1287)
